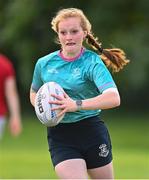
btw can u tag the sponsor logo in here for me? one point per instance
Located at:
(53, 71)
(39, 102)
(104, 151)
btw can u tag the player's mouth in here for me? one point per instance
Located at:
(70, 44)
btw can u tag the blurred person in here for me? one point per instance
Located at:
(9, 99)
(80, 144)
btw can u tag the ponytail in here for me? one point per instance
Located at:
(114, 58)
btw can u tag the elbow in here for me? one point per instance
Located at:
(32, 98)
(117, 100)
(32, 101)
(113, 97)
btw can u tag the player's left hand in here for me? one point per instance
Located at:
(66, 104)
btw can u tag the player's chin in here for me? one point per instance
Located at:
(71, 49)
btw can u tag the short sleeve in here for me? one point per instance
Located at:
(37, 81)
(99, 74)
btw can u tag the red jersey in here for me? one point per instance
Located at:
(6, 71)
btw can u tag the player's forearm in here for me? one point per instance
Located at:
(32, 97)
(14, 107)
(104, 101)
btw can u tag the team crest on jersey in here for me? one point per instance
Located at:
(104, 151)
(76, 72)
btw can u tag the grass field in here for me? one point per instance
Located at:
(27, 156)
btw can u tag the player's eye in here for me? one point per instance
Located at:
(63, 32)
(75, 31)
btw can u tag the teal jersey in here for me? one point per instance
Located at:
(83, 78)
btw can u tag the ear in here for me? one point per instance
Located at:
(85, 34)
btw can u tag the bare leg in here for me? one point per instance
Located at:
(105, 172)
(72, 169)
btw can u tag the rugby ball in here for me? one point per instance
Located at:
(43, 110)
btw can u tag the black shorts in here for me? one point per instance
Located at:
(87, 139)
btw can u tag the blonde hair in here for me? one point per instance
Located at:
(114, 58)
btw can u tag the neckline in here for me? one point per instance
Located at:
(71, 59)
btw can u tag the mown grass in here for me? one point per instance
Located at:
(27, 156)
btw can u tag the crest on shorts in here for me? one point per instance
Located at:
(104, 151)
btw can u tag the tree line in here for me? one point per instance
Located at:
(26, 35)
